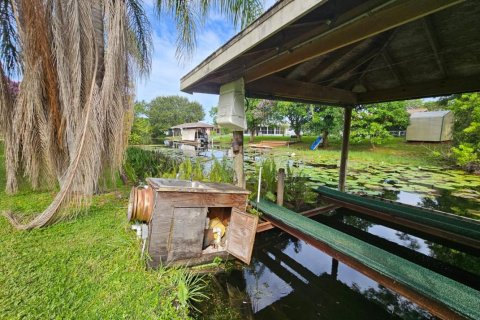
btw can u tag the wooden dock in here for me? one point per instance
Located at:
(440, 295)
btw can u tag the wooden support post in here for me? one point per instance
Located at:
(280, 186)
(344, 157)
(238, 168)
(334, 271)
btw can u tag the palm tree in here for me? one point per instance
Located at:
(77, 61)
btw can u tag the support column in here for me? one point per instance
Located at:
(347, 120)
(280, 186)
(238, 167)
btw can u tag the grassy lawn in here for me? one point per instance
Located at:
(86, 268)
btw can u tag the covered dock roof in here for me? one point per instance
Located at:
(192, 125)
(350, 52)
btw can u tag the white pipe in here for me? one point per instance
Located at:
(259, 184)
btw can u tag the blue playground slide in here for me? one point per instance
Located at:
(316, 143)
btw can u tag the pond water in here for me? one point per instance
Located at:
(290, 279)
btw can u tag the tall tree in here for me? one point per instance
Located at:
(165, 112)
(466, 134)
(141, 132)
(77, 63)
(298, 114)
(373, 122)
(260, 113)
(325, 120)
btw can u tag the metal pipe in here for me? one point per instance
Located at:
(259, 184)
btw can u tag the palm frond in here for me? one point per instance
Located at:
(9, 51)
(140, 40)
(190, 15)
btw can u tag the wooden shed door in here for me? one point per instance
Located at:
(186, 233)
(241, 235)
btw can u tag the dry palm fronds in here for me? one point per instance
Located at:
(69, 117)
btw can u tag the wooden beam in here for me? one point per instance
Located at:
(320, 71)
(280, 88)
(422, 90)
(272, 22)
(366, 57)
(342, 176)
(393, 67)
(377, 20)
(267, 225)
(465, 242)
(433, 40)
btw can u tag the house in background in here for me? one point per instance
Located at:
(196, 132)
(282, 129)
(432, 126)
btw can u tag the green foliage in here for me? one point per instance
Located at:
(168, 111)
(221, 171)
(268, 186)
(325, 120)
(191, 170)
(261, 113)
(141, 132)
(373, 122)
(189, 290)
(140, 164)
(298, 114)
(297, 192)
(466, 136)
(189, 15)
(465, 155)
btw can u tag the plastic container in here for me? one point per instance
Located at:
(231, 106)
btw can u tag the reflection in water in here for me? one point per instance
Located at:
(289, 279)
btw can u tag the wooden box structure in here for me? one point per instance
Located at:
(180, 213)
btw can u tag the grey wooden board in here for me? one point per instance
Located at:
(186, 233)
(241, 235)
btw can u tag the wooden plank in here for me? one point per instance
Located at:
(422, 90)
(267, 225)
(186, 233)
(241, 235)
(380, 19)
(270, 23)
(451, 237)
(159, 230)
(177, 199)
(161, 223)
(436, 308)
(277, 87)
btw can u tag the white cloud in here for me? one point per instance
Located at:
(166, 71)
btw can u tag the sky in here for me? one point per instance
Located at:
(166, 72)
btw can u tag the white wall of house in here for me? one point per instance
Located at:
(270, 131)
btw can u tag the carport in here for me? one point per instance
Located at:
(348, 53)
